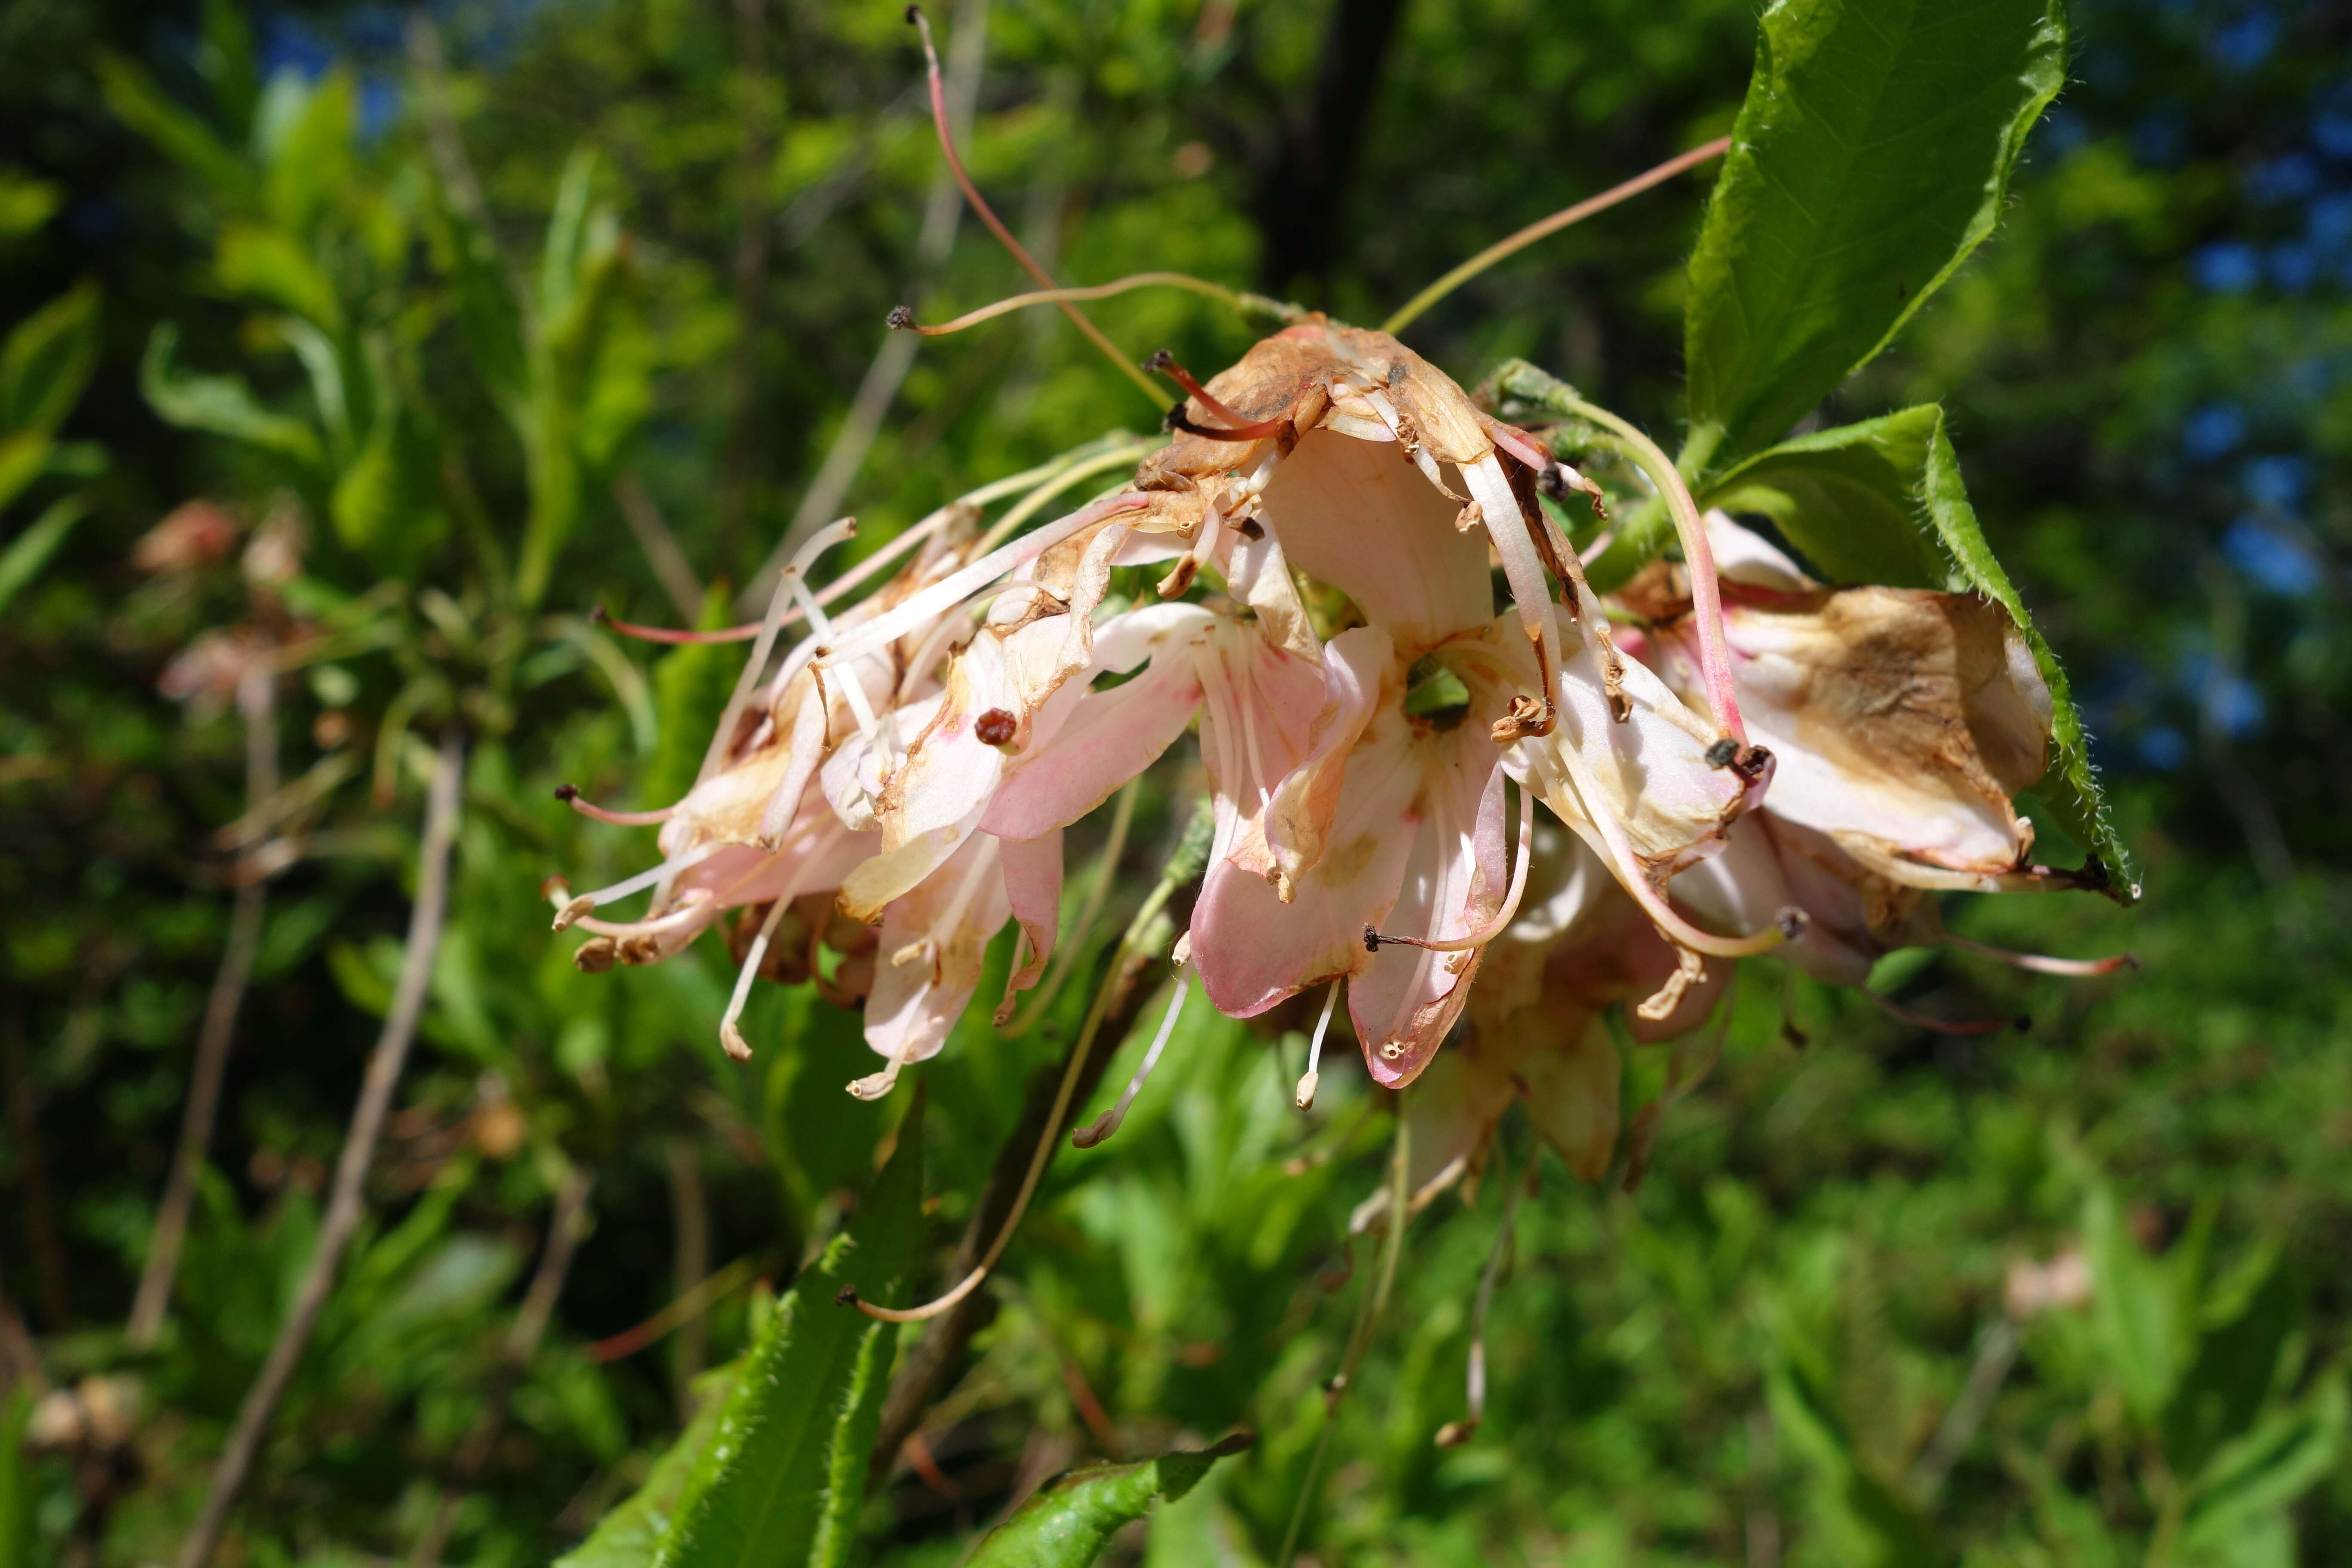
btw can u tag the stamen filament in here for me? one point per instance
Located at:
(1707, 594)
(570, 796)
(996, 225)
(2043, 963)
(906, 539)
(1030, 505)
(1627, 867)
(1901, 1014)
(957, 586)
(822, 540)
(689, 908)
(579, 906)
(902, 321)
(1503, 917)
(729, 1035)
(1109, 1121)
(1544, 227)
(1313, 1077)
(1165, 364)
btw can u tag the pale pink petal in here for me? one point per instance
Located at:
(1109, 737)
(933, 942)
(1407, 998)
(1033, 887)
(1251, 949)
(1359, 666)
(1358, 515)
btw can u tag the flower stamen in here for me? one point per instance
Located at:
(1313, 1076)
(570, 796)
(1109, 1121)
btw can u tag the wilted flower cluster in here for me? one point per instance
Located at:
(1740, 757)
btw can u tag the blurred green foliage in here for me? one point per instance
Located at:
(439, 303)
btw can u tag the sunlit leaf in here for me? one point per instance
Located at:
(1871, 155)
(1071, 1520)
(223, 404)
(627, 1536)
(786, 1467)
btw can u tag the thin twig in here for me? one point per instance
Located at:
(671, 568)
(1994, 1357)
(564, 1227)
(257, 700)
(942, 214)
(347, 1203)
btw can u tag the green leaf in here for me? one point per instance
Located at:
(2236, 1365)
(223, 404)
(308, 151)
(1071, 1520)
(785, 1472)
(1884, 502)
(26, 203)
(626, 1537)
(19, 1497)
(2135, 1312)
(270, 263)
(1848, 498)
(2260, 1474)
(1870, 157)
(30, 551)
(47, 361)
(24, 458)
(181, 136)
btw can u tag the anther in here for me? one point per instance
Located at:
(846, 1297)
(1251, 529)
(1721, 754)
(567, 793)
(900, 318)
(1371, 939)
(1793, 922)
(995, 728)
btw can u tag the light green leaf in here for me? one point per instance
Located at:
(1071, 1520)
(785, 1471)
(308, 157)
(47, 361)
(31, 550)
(626, 1537)
(270, 263)
(1870, 157)
(1884, 502)
(223, 404)
(24, 458)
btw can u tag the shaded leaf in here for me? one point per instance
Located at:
(1072, 1519)
(180, 136)
(30, 551)
(47, 361)
(1870, 157)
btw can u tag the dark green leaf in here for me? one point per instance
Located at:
(1873, 153)
(2237, 1364)
(19, 1497)
(181, 136)
(47, 361)
(1074, 1518)
(786, 1469)
(626, 1537)
(30, 551)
